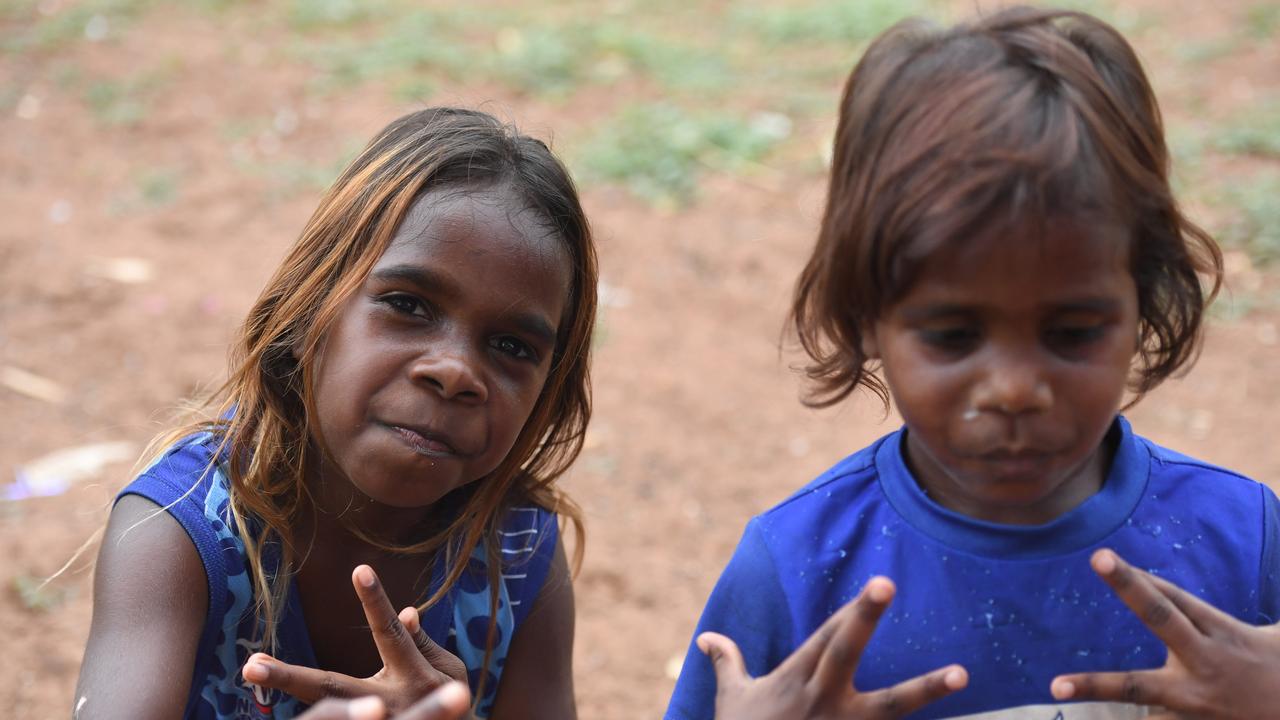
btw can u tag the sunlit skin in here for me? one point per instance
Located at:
(1008, 359)
(435, 363)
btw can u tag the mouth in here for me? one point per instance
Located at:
(1016, 463)
(426, 441)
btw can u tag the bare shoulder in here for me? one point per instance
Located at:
(150, 597)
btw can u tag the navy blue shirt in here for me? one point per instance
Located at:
(193, 489)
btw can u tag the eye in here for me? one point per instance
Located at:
(1074, 336)
(954, 340)
(515, 347)
(405, 304)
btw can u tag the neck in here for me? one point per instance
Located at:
(344, 513)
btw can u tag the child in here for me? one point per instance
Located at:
(404, 393)
(1000, 242)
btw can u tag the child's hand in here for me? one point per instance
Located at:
(1218, 667)
(413, 665)
(449, 702)
(817, 680)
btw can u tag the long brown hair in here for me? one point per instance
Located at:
(1024, 114)
(262, 412)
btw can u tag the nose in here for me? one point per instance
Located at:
(452, 371)
(1014, 384)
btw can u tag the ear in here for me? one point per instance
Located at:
(870, 342)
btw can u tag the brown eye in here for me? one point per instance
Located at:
(951, 340)
(514, 347)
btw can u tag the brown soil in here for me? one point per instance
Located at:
(698, 424)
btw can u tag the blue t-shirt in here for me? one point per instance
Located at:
(193, 490)
(1016, 605)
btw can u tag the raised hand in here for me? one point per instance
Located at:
(413, 665)
(816, 682)
(449, 702)
(1218, 667)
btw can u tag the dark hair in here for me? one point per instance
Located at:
(1022, 115)
(263, 410)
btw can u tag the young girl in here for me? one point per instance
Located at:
(403, 395)
(1001, 245)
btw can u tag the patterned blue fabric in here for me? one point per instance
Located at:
(1015, 604)
(193, 490)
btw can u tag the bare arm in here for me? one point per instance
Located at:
(537, 680)
(150, 597)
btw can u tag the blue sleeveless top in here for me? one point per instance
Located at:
(194, 491)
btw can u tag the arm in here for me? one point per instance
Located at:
(150, 597)
(747, 604)
(537, 680)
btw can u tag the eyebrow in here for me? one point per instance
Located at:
(924, 313)
(427, 280)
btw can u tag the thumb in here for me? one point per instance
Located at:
(725, 658)
(436, 656)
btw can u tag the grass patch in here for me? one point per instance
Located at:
(94, 20)
(1262, 20)
(833, 21)
(117, 104)
(36, 595)
(419, 42)
(1256, 132)
(1255, 223)
(658, 151)
(309, 15)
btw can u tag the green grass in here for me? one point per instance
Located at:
(1254, 224)
(309, 15)
(419, 42)
(116, 104)
(159, 186)
(833, 21)
(93, 19)
(1262, 20)
(36, 595)
(659, 151)
(1253, 132)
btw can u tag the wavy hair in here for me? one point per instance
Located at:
(1023, 114)
(264, 409)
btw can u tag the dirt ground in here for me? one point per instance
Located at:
(121, 284)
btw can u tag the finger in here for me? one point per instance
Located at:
(390, 635)
(911, 695)
(436, 656)
(307, 684)
(1138, 590)
(1139, 687)
(448, 702)
(857, 621)
(1204, 616)
(366, 708)
(726, 659)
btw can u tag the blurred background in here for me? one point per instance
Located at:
(156, 159)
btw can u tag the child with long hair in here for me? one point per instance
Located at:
(402, 396)
(1001, 254)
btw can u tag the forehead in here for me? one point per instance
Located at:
(1029, 263)
(485, 239)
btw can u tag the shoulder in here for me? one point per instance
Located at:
(1204, 484)
(528, 536)
(188, 470)
(837, 497)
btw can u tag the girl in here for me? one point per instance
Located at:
(403, 394)
(1001, 244)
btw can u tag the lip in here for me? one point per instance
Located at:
(426, 441)
(1017, 463)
